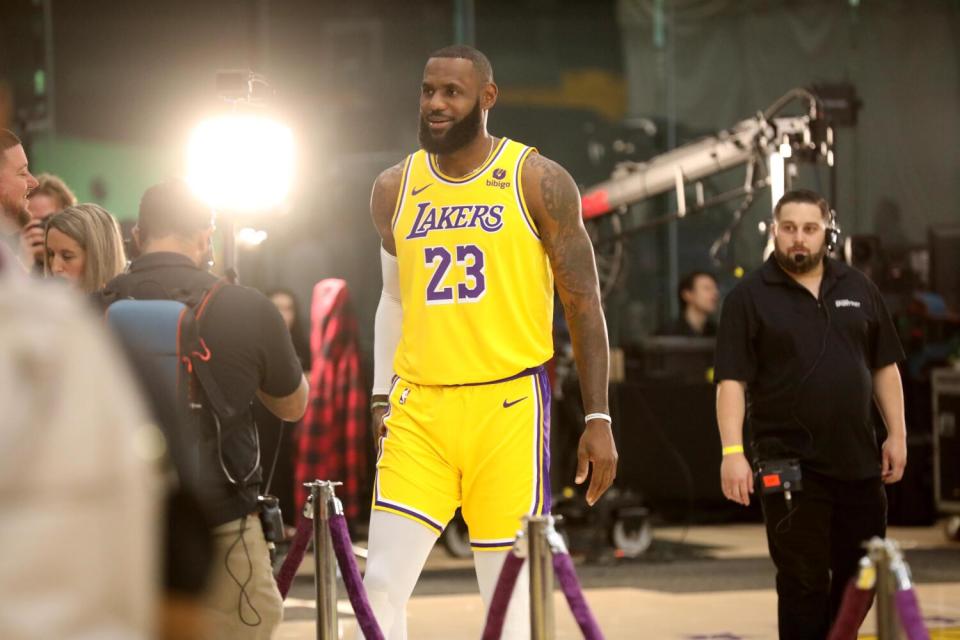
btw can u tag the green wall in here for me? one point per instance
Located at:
(112, 175)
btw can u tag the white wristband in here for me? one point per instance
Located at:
(597, 416)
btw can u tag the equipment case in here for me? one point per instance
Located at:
(946, 439)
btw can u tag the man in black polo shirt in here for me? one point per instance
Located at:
(808, 341)
(252, 356)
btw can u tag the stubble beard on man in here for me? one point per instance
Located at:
(459, 135)
(799, 267)
(16, 213)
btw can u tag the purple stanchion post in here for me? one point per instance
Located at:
(298, 548)
(567, 577)
(343, 548)
(506, 582)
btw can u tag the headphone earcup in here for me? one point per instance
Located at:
(833, 232)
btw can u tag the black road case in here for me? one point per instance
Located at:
(946, 439)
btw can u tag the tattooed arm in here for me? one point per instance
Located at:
(554, 202)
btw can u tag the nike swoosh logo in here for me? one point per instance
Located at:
(415, 191)
(510, 404)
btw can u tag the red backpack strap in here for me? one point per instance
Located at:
(209, 295)
(199, 361)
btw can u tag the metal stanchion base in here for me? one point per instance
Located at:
(325, 504)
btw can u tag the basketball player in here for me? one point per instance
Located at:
(474, 230)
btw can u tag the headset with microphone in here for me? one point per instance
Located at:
(832, 239)
(832, 235)
(833, 232)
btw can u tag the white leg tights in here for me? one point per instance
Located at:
(517, 623)
(398, 549)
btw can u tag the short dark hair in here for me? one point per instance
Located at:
(170, 208)
(687, 283)
(804, 196)
(480, 62)
(8, 140)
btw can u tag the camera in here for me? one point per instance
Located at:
(270, 518)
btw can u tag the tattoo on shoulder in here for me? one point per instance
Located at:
(560, 195)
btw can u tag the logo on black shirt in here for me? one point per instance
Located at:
(847, 303)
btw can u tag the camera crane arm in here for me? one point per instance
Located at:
(754, 141)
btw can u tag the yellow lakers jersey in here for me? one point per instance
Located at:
(475, 283)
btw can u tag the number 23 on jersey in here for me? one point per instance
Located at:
(440, 259)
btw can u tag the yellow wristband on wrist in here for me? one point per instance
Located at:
(734, 448)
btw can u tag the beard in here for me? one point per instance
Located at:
(15, 213)
(799, 263)
(459, 135)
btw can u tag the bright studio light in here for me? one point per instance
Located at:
(240, 163)
(250, 237)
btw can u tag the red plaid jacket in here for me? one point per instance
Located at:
(332, 443)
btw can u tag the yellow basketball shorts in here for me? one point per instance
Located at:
(483, 448)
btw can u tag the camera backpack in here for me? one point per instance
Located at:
(167, 332)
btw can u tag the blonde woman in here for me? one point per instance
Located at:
(83, 244)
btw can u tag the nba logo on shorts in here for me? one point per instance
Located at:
(403, 396)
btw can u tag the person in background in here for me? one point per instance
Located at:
(83, 245)
(805, 347)
(289, 307)
(699, 298)
(273, 434)
(50, 196)
(16, 183)
(251, 356)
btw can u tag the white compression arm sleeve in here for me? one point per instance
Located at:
(386, 328)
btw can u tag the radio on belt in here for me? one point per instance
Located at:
(780, 476)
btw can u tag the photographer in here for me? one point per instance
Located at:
(51, 195)
(250, 355)
(811, 342)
